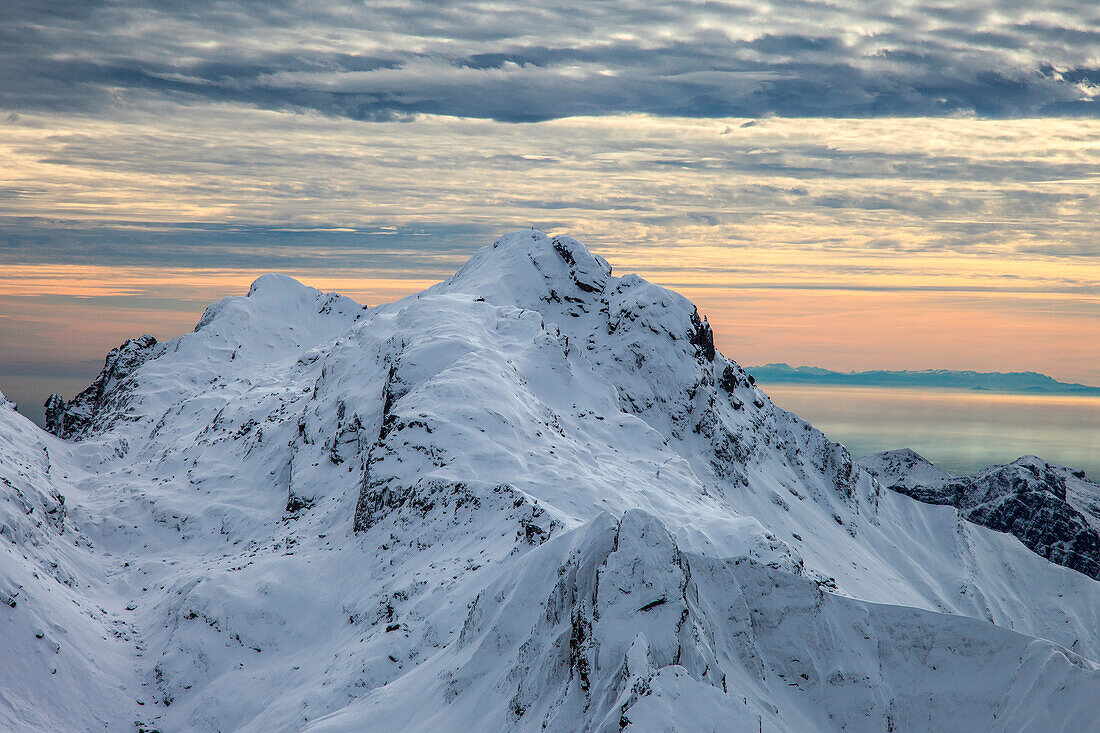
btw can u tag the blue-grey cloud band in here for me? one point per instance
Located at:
(524, 62)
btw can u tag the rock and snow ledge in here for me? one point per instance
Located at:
(1052, 510)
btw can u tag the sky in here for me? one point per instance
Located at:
(853, 185)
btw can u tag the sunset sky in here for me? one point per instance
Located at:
(853, 185)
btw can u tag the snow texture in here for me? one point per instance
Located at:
(532, 497)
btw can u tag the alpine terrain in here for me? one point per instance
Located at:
(533, 497)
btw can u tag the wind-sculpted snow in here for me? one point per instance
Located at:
(531, 497)
(612, 627)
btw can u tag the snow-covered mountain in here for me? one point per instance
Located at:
(532, 497)
(1053, 510)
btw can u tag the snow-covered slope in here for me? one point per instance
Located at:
(69, 661)
(1053, 510)
(532, 497)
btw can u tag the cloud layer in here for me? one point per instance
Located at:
(196, 184)
(522, 62)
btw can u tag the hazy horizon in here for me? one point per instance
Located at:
(958, 431)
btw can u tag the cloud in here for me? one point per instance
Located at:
(411, 250)
(215, 182)
(524, 62)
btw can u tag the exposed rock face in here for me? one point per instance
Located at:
(72, 419)
(1054, 511)
(55, 414)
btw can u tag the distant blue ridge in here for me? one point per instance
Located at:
(1010, 382)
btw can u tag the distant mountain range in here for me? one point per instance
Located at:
(1010, 382)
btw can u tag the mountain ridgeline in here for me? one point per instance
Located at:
(533, 497)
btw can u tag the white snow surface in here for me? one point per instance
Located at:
(531, 497)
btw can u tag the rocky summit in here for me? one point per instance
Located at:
(533, 497)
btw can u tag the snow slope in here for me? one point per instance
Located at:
(69, 661)
(532, 497)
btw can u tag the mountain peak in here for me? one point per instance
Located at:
(528, 263)
(72, 418)
(904, 468)
(275, 284)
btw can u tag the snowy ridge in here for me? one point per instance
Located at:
(532, 497)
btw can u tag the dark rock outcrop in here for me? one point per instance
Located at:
(55, 414)
(701, 336)
(73, 418)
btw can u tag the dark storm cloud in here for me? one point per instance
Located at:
(523, 62)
